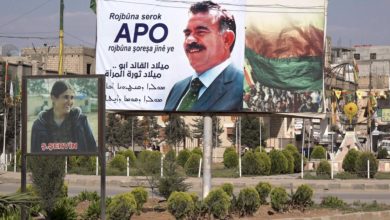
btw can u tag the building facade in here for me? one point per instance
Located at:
(76, 60)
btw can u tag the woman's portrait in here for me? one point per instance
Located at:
(61, 123)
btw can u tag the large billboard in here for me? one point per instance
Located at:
(62, 114)
(190, 56)
(284, 55)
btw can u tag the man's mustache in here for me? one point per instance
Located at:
(194, 45)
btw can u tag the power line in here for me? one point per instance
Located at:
(79, 39)
(41, 32)
(251, 8)
(46, 38)
(23, 14)
(27, 37)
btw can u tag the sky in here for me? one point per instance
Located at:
(349, 22)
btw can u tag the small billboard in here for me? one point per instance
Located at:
(62, 115)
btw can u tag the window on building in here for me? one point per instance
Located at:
(89, 68)
(372, 56)
(230, 132)
(356, 56)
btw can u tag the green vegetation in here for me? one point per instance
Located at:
(263, 189)
(279, 199)
(324, 169)
(183, 157)
(248, 201)
(279, 163)
(350, 161)
(361, 164)
(192, 165)
(302, 197)
(318, 152)
(230, 158)
(181, 205)
(122, 206)
(218, 203)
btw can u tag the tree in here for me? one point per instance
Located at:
(130, 127)
(176, 131)
(37, 87)
(113, 130)
(150, 128)
(173, 179)
(217, 129)
(8, 107)
(250, 133)
(48, 175)
(86, 86)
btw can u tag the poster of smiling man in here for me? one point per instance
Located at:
(154, 53)
(62, 114)
(211, 56)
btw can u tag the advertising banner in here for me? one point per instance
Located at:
(62, 114)
(189, 56)
(284, 55)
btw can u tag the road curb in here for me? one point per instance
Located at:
(238, 183)
(382, 215)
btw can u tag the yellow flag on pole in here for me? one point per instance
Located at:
(337, 93)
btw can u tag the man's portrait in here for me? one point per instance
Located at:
(216, 84)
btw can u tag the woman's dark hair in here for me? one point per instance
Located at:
(59, 87)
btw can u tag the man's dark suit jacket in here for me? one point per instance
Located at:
(223, 95)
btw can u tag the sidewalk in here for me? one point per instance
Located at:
(286, 181)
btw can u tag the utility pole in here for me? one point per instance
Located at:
(369, 105)
(207, 148)
(260, 130)
(132, 133)
(61, 53)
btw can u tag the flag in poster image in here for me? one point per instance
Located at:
(140, 50)
(284, 43)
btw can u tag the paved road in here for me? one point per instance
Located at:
(349, 196)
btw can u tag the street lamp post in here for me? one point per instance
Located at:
(331, 133)
(303, 145)
(332, 157)
(260, 131)
(375, 132)
(2, 156)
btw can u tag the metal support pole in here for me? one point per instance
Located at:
(368, 169)
(260, 131)
(15, 138)
(132, 133)
(239, 146)
(162, 166)
(370, 137)
(66, 165)
(97, 166)
(308, 144)
(2, 156)
(207, 131)
(127, 167)
(302, 148)
(331, 170)
(200, 167)
(15, 163)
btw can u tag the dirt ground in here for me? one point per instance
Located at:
(264, 212)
